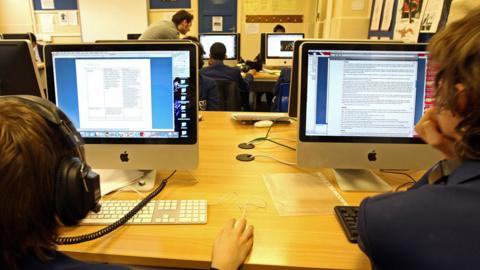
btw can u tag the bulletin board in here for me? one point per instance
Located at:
(170, 4)
(106, 19)
(59, 5)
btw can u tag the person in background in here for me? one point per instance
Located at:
(260, 59)
(35, 47)
(209, 97)
(434, 225)
(217, 70)
(180, 24)
(29, 223)
(279, 29)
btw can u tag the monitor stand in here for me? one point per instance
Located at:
(360, 180)
(112, 180)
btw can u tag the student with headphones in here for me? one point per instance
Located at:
(435, 224)
(45, 182)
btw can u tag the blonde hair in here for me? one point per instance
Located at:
(456, 54)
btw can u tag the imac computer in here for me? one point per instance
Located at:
(231, 42)
(359, 104)
(26, 36)
(279, 48)
(18, 71)
(135, 104)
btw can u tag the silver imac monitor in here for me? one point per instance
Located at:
(230, 40)
(279, 48)
(18, 71)
(359, 104)
(135, 104)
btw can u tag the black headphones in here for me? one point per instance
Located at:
(77, 187)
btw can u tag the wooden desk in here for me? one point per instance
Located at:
(297, 242)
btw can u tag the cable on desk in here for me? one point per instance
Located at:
(242, 206)
(69, 240)
(276, 159)
(266, 138)
(412, 182)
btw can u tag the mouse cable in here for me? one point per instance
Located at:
(276, 159)
(69, 240)
(250, 202)
(259, 139)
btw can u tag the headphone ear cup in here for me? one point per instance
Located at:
(70, 190)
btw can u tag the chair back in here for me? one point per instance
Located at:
(229, 94)
(282, 98)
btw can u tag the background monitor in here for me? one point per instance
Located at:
(18, 71)
(359, 104)
(262, 48)
(279, 48)
(27, 36)
(133, 36)
(230, 40)
(135, 104)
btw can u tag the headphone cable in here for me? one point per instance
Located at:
(70, 240)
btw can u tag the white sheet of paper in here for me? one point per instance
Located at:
(387, 15)
(217, 23)
(62, 18)
(431, 17)
(46, 21)
(252, 28)
(358, 4)
(377, 13)
(47, 4)
(72, 17)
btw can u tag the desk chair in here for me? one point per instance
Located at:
(280, 101)
(229, 94)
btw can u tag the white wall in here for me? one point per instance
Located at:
(15, 16)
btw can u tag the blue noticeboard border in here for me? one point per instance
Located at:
(59, 5)
(164, 4)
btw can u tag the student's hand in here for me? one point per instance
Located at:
(232, 246)
(429, 130)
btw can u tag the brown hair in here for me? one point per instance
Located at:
(182, 15)
(30, 151)
(456, 53)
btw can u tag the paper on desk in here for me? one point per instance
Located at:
(296, 194)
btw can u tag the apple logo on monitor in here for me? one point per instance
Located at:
(372, 156)
(124, 157)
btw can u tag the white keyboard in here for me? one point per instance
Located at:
(155, 212)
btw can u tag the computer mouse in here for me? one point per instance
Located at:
(263, 123)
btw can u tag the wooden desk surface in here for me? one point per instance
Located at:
(264, 76)
(300, 242)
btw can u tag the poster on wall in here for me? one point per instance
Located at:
(408, 20)
(169, 4)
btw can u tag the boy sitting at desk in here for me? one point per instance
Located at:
(32, 149)
(435, 225)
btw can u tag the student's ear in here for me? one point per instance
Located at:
(210, 59)
(462, 99)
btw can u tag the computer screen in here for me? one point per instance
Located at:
(231, 42)
(279, 48)
(18, 71)
(360, 103)
(17, 36)
(134, 104)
